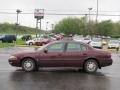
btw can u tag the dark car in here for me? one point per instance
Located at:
(26, 37)
(8, 38)
(62, 54)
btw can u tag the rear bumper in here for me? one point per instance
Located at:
(104, 63)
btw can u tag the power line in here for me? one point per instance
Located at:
(63, 14)
(47, 10)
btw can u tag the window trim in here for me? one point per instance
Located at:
(56, 43)
(76, 43)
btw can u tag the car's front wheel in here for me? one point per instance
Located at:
(28, 65)
(90, 66)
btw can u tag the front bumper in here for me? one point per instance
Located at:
(13, 62)
(113, 47)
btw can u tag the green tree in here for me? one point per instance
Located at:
(70, 26)
(105, 28)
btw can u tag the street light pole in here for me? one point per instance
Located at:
(18, 11)
(47, 26)
(52, 26)
(89, 20)
(89, 13)
(97, 12)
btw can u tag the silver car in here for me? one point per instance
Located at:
(113, 44)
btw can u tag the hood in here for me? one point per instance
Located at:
(26, 52)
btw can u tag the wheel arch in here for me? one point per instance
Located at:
(27, 58)
(93, 59)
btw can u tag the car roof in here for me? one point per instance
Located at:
(67, 41)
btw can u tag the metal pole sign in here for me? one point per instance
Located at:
(39, 13)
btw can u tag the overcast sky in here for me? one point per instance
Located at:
(63, 6)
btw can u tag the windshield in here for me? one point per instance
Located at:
(113, 41)
(96, 39)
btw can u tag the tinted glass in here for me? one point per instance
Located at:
(58, 47)
(75, 47)
(97, 39)
(113, 41)
(83, 47)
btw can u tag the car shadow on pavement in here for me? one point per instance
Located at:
(58, 80)
(61, 70)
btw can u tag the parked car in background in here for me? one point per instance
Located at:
(32, 41)
(77, 38)
(104, 42)
(1, 36)
(119, 39)
(82, 39)
(113, 44)
(58, 37)
(43, 40)
(62, 54)
(96, 43)
(8, 38)
(26, 37)
(87, 40)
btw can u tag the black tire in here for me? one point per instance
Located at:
(29, 65)
(90, 66)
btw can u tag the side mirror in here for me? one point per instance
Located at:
(45, 51)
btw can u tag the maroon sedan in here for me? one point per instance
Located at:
(42, 42)
(62, 54)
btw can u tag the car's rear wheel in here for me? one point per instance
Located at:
(90, 66)
(30, 43)
(29, 65)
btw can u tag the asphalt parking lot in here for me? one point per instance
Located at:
(11, 78)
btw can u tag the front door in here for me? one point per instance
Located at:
(53, 56)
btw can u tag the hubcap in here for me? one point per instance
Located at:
(28, 65)
(91, 66)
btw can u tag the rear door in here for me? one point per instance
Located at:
(75, 54)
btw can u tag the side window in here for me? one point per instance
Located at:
(73, 47)
(83, 47)
(58, 47)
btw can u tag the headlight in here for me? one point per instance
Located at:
(13, 57)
